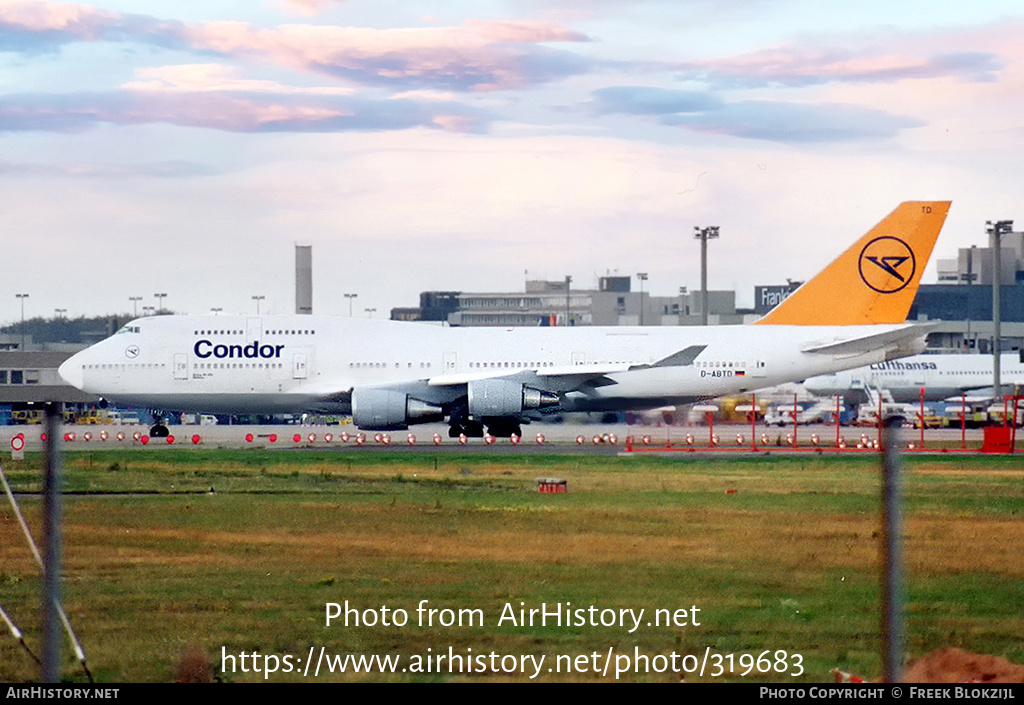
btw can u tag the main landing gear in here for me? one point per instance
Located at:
(471, 429)
(158, 429)
(499, 428)
(504, 428)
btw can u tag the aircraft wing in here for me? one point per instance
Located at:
(978, 395)
(851, 347)
(981, 395)
(579, 373)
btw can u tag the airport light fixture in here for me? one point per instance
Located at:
(135, 305)
(704, 234)
(995, 232)
(642, 276)
(22, 297)
(369, 312)
(350, 297)
(148, 310)
(59, 312)
(257, 298)
(216, 310)
(969, 277)
(568, 307)
(160, 302)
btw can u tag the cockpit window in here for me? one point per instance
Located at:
(128, 329)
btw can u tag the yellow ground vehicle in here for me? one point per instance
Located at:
(27, 416)
(91, 417)
(930, 421)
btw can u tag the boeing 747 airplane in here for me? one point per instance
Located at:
(390, 375)
(942, 377)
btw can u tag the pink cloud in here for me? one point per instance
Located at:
(307, 7)
(86, 23)
(523, 32)
(795, 66)
(248, 111)
(479, 55)
(874, 58)
(216, 78)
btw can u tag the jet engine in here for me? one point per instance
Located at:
(502, 397)
(390, 410)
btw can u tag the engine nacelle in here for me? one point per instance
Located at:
(502, 397)
(390, 410)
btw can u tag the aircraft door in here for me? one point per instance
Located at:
(917, 379)
(579, 358)
(758, 368)
(450, 361)
(180, 366)
(300, 366)
(253, 329)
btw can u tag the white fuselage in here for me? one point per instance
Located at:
(276, 364)
(940, 376)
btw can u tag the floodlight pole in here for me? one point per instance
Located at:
(995, 232)
(568, 314)
(642, 276)
(22, 297)
(704, 234)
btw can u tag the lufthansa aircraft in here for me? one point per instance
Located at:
(390, 375)
(942, 377)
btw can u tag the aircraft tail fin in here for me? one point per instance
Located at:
(876, 280)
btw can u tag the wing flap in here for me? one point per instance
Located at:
(595, 369)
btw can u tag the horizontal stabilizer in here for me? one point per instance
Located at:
(849, 347)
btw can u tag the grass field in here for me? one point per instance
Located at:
(155, 565)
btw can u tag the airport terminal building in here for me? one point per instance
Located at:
(962, 300)
(29, 377)
(557, 303)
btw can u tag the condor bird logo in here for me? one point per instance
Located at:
(887, 264)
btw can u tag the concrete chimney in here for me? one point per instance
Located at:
(304, 279)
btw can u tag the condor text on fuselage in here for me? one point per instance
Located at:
(204, 349)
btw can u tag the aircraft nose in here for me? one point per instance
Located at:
(71, 371)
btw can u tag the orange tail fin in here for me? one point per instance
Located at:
(874, 281)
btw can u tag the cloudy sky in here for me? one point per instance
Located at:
(185, 147)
